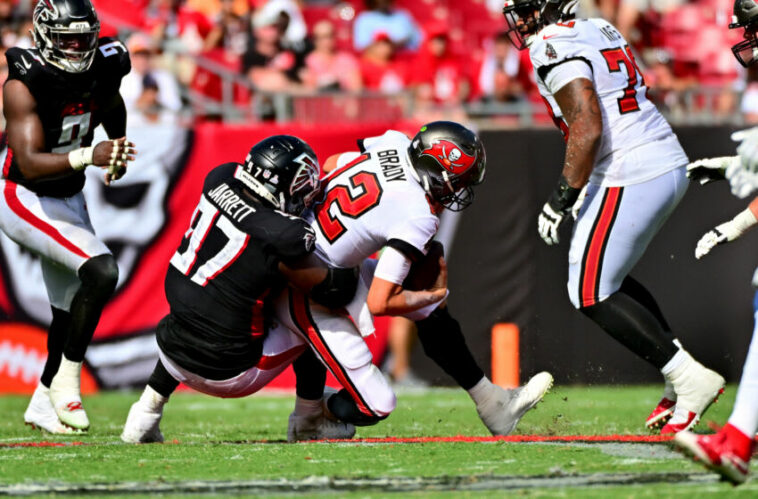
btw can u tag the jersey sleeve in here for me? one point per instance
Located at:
(554, 46)
(295, 239)
(114, 58)
(412, 236)
(565, 73)
(22, 66)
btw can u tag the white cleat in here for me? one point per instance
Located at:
(501, 413)
(697, 387)
(319, 426)
(65, 395)
(41, 415)
(142, 426)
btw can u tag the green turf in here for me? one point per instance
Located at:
(213, 439)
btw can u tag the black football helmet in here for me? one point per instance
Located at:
(527, 17)
(448, 161)
(746, 16)
(283, 171)
(66, 33)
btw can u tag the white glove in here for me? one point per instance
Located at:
(741, 181)
(748, 148)
(724, 233)
(548, 223)
(579, 202)
(710, 169)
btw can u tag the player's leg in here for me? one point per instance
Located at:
(366, 397)
(143, 422)
(79, 272)
(610, 236)
(729, 451)
(500, 410)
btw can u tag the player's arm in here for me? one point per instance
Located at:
(728, 231)
(328, 286)
(387, 296)
(114, 117)
(581, 109)
(26, 137)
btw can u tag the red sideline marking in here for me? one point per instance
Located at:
(41, 444)
(510, 438)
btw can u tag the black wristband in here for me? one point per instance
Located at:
(564, 196)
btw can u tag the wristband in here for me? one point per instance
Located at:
(81, 158)
(741, 223)
(564, 196)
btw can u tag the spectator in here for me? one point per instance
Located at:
(749, 105)
(630, 12)
(148, 108)
(326, 67)
(380, 70)
(381, 17)
(170, 21)
(270, 67)
(230, 32)
(438, 74)
(504, 75)
(287, 17)
(143, 53)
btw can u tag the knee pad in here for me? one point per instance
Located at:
(100, 274)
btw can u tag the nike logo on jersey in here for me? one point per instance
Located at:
(546, 37)
(391, 167)
(27, 64)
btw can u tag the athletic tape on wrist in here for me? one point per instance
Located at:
(81, 158)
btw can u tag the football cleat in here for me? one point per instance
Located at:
(502, 412)
(65, 395)
(727, 452)
(318, 426)
(142, 425)
(696, 388)
(661, 414)
(41, 415)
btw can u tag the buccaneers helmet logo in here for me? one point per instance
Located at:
(450, 156)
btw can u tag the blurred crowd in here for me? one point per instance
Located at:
(444, 53)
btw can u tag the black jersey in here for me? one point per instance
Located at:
(69, 106)
(219, 278)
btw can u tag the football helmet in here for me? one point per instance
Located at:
(448, 161)
(746, 16)
(527, 17)
(66, 33)
(283, 171)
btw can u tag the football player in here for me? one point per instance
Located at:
(728, 452)
(388, 196)
(625, 153)
(244, 244)
(56, 95)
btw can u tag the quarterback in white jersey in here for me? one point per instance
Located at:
(621, 150)
(387, 197)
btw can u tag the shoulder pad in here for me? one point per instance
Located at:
(23, 64)
(218, 175)
(554, 44)
(113, 56)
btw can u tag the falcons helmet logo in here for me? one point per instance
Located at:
(450, 156)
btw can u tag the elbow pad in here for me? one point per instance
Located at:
(337, 289)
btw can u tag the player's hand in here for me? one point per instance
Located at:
(114, 156)
(748, 148)
(710, 169)
(548, 223)
(440, 284)
(741, 181)
(709, 241)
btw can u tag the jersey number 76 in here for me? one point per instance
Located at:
(615, 58)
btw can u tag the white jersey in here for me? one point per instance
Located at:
(637, 144)
(372, 201)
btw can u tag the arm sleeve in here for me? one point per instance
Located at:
(393, 266)
(294, 242)
(566, 72)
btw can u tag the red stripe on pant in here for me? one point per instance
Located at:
(299, 306)
(11, 198)
(593, 256)
(267, 363)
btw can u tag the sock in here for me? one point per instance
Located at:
(634, 326)
(304, 407)
(69, 373)
(443, 342)
(481, 391)
(56, 338)
(676, 361)
(161, 382)
(98, 277)
(745, 413)
(153, 400)
(310, 376)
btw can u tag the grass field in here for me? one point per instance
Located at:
(218, 447)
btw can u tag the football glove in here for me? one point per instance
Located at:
(724, 233)
(123, 151)
(741, 181)
(710, 169)
(555, 210)
(748, 148)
